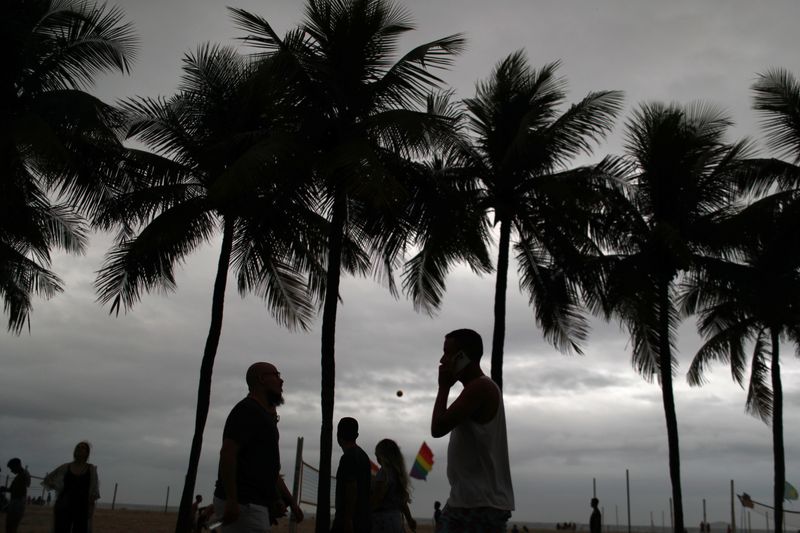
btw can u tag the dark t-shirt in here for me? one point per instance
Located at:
(353, 466)
(19, 486)
(258, 461)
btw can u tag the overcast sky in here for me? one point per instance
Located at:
(128, 384)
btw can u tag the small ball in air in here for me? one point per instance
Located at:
(399, 394)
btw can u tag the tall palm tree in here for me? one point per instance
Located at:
(215, 167)
(752, 298)
(682, 179)
(56, 140)
(362, 107)
(522, 147)
(777, 182)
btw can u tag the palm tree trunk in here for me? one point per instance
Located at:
(777, 431)
(668, 398)
(328, 362)
(501, 283)
(184, 523)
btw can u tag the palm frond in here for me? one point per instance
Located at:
(554, 297)
(147, 261)
(759, 393)
(777, 99)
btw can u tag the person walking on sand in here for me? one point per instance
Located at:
(17, 495)
(353, 479)
(391, 491)
(596, 519)
(250, 493)
(77, 489)
(481, 495)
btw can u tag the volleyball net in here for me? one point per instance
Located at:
(309, 483)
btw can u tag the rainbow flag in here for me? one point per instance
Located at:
(423, 463)
(789, 492)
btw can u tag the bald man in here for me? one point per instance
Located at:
(250, 493)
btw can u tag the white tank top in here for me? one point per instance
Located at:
(477, 463)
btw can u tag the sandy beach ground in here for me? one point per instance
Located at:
(39, 520)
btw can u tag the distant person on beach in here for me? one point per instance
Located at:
(596, 519)
(437, 513)
(198, 499)
(17, 495)
(77, 489)
(250, 493)
(353, 479)
(481, 495)
(390, 491)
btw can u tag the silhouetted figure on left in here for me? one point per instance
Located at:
(17, 495)
(77, 489)
(596, 520)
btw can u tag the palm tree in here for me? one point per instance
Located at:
(683, 178)
(361, 107)
(761, 317)
(752, 298)
(522, 146)
(57, 141)
(215, 166)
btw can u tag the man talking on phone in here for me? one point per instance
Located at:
(481, 495)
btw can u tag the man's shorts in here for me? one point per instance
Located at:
(472, 520)
(252, 518)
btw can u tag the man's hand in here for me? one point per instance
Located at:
(231, 513)
(447, 377)
(277, 508)
(297, 513)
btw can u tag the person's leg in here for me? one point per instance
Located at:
(452, 520)
(252, 518)
(80, 520)
(62, 521)
(488, 520)
(14, 512)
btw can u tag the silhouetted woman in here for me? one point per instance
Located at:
(390, 491)
(77, 489)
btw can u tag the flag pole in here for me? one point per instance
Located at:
(733, 512)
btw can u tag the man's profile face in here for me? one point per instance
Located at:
(449, 351)
(272, 382)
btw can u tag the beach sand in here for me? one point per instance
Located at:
(39, 519)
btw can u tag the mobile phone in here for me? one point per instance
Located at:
(460, 361)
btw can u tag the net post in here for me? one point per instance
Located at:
(298, 466)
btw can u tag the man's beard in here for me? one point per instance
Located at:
(275, 398)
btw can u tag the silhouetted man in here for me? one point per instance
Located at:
(250, 493)
(353, 479)
(596, 520)
(17, 495)
(481, 495)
